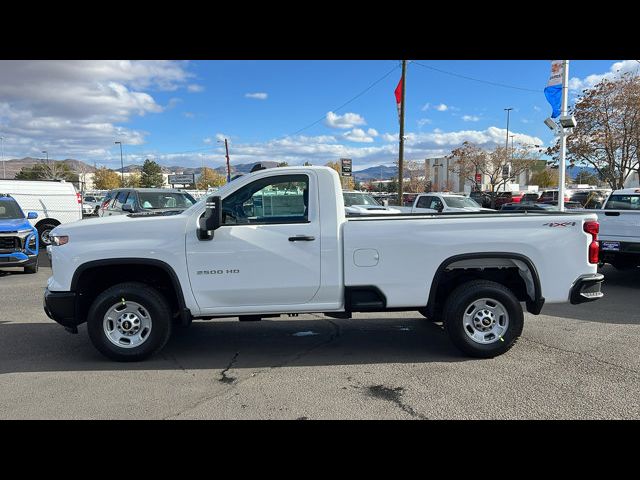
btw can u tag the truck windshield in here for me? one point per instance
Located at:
(461, 202)
(157, 200)
(623, 202)
(9, 209)
(351, 199)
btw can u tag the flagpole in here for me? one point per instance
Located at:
(401, 149)
(563, 135)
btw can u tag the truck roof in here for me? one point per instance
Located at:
(627, 190)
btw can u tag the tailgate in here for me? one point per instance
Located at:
(621, 224)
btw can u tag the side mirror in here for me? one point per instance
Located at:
(211, 220)
(440, 208)
(127, 207)
(32, 215)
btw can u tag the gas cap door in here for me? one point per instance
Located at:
(366, 257)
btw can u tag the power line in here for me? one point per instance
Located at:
(348, 101)
(476, 79)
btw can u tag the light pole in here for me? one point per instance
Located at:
(121, 164)
(4, 171)
(435, 165)
(506, 145)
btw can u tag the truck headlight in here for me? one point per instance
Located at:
(59, 239)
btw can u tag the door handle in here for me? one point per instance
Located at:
(302, 238)
(612, 214)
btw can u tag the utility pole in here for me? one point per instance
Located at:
(121, 165)
(226, 147)
(563, 137)
(401, 149)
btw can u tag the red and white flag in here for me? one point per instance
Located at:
(399, 97)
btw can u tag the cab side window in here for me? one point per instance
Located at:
(424, 202)
(120, 200)
(276, 199)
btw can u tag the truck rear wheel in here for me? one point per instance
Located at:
(129, 322)
(483, 319)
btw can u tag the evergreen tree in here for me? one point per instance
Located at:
(151, 175)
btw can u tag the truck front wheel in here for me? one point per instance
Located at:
(129, 322)
(483, 318)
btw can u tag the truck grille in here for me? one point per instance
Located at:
(9, 244)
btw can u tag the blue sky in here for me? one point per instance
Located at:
(175, 111)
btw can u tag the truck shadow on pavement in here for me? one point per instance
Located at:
(270, 343)
(620, 304)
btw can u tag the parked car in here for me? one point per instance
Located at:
(530, 197)
(124, 201)
(551, 196)
(55, 202)
(132, 281)
(589, 198)
(362, 203)
(507, 197)
(18, 238)
(619, 228)
(94, 201)
(445, 202)
(482, 198)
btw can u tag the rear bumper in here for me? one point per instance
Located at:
(586, 288)
(17, 259)
(61, 307)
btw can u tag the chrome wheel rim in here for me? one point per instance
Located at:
(45, 236)
(485, 321)
(127, 324)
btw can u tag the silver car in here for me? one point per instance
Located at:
(147, 200)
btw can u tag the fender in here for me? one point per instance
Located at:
(533, 306)
(185, 314)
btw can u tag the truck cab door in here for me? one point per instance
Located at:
(267, 250)
(423, 204)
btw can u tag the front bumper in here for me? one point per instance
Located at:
(586, 288)
(17, 259)
(61, 307)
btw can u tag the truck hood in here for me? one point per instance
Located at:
(14, 224)
(118, 227)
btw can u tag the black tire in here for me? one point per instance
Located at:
(462, 297)
(149, 298)
(44, 229)
(31, 268)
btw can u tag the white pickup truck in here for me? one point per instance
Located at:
(278, 241)
(445, 202)
(619, 220)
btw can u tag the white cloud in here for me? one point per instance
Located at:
(75, 107)
(346, 121)
(618, 68)
(194, 88)
(423, 121)
(442, 107)
(388, 137)
(470, 118)
(257, 95)
(207, 140)
(426, 107)
(373, 132)
(358, 135)
(537, 108)
(189, 114)
(221, 136)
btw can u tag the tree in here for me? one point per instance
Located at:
(470, 159)
(607, 135)
(48, 170)
(347, 182)
(105, 179)
(545, 178)
(282, 164)
(151, 175)
(133, 180)
(210, 178)
(415, 179)
(586, 177)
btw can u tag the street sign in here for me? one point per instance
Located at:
(183, 179)
(506, 171)
(346, 167)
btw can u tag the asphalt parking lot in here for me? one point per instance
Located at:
(572, 362)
